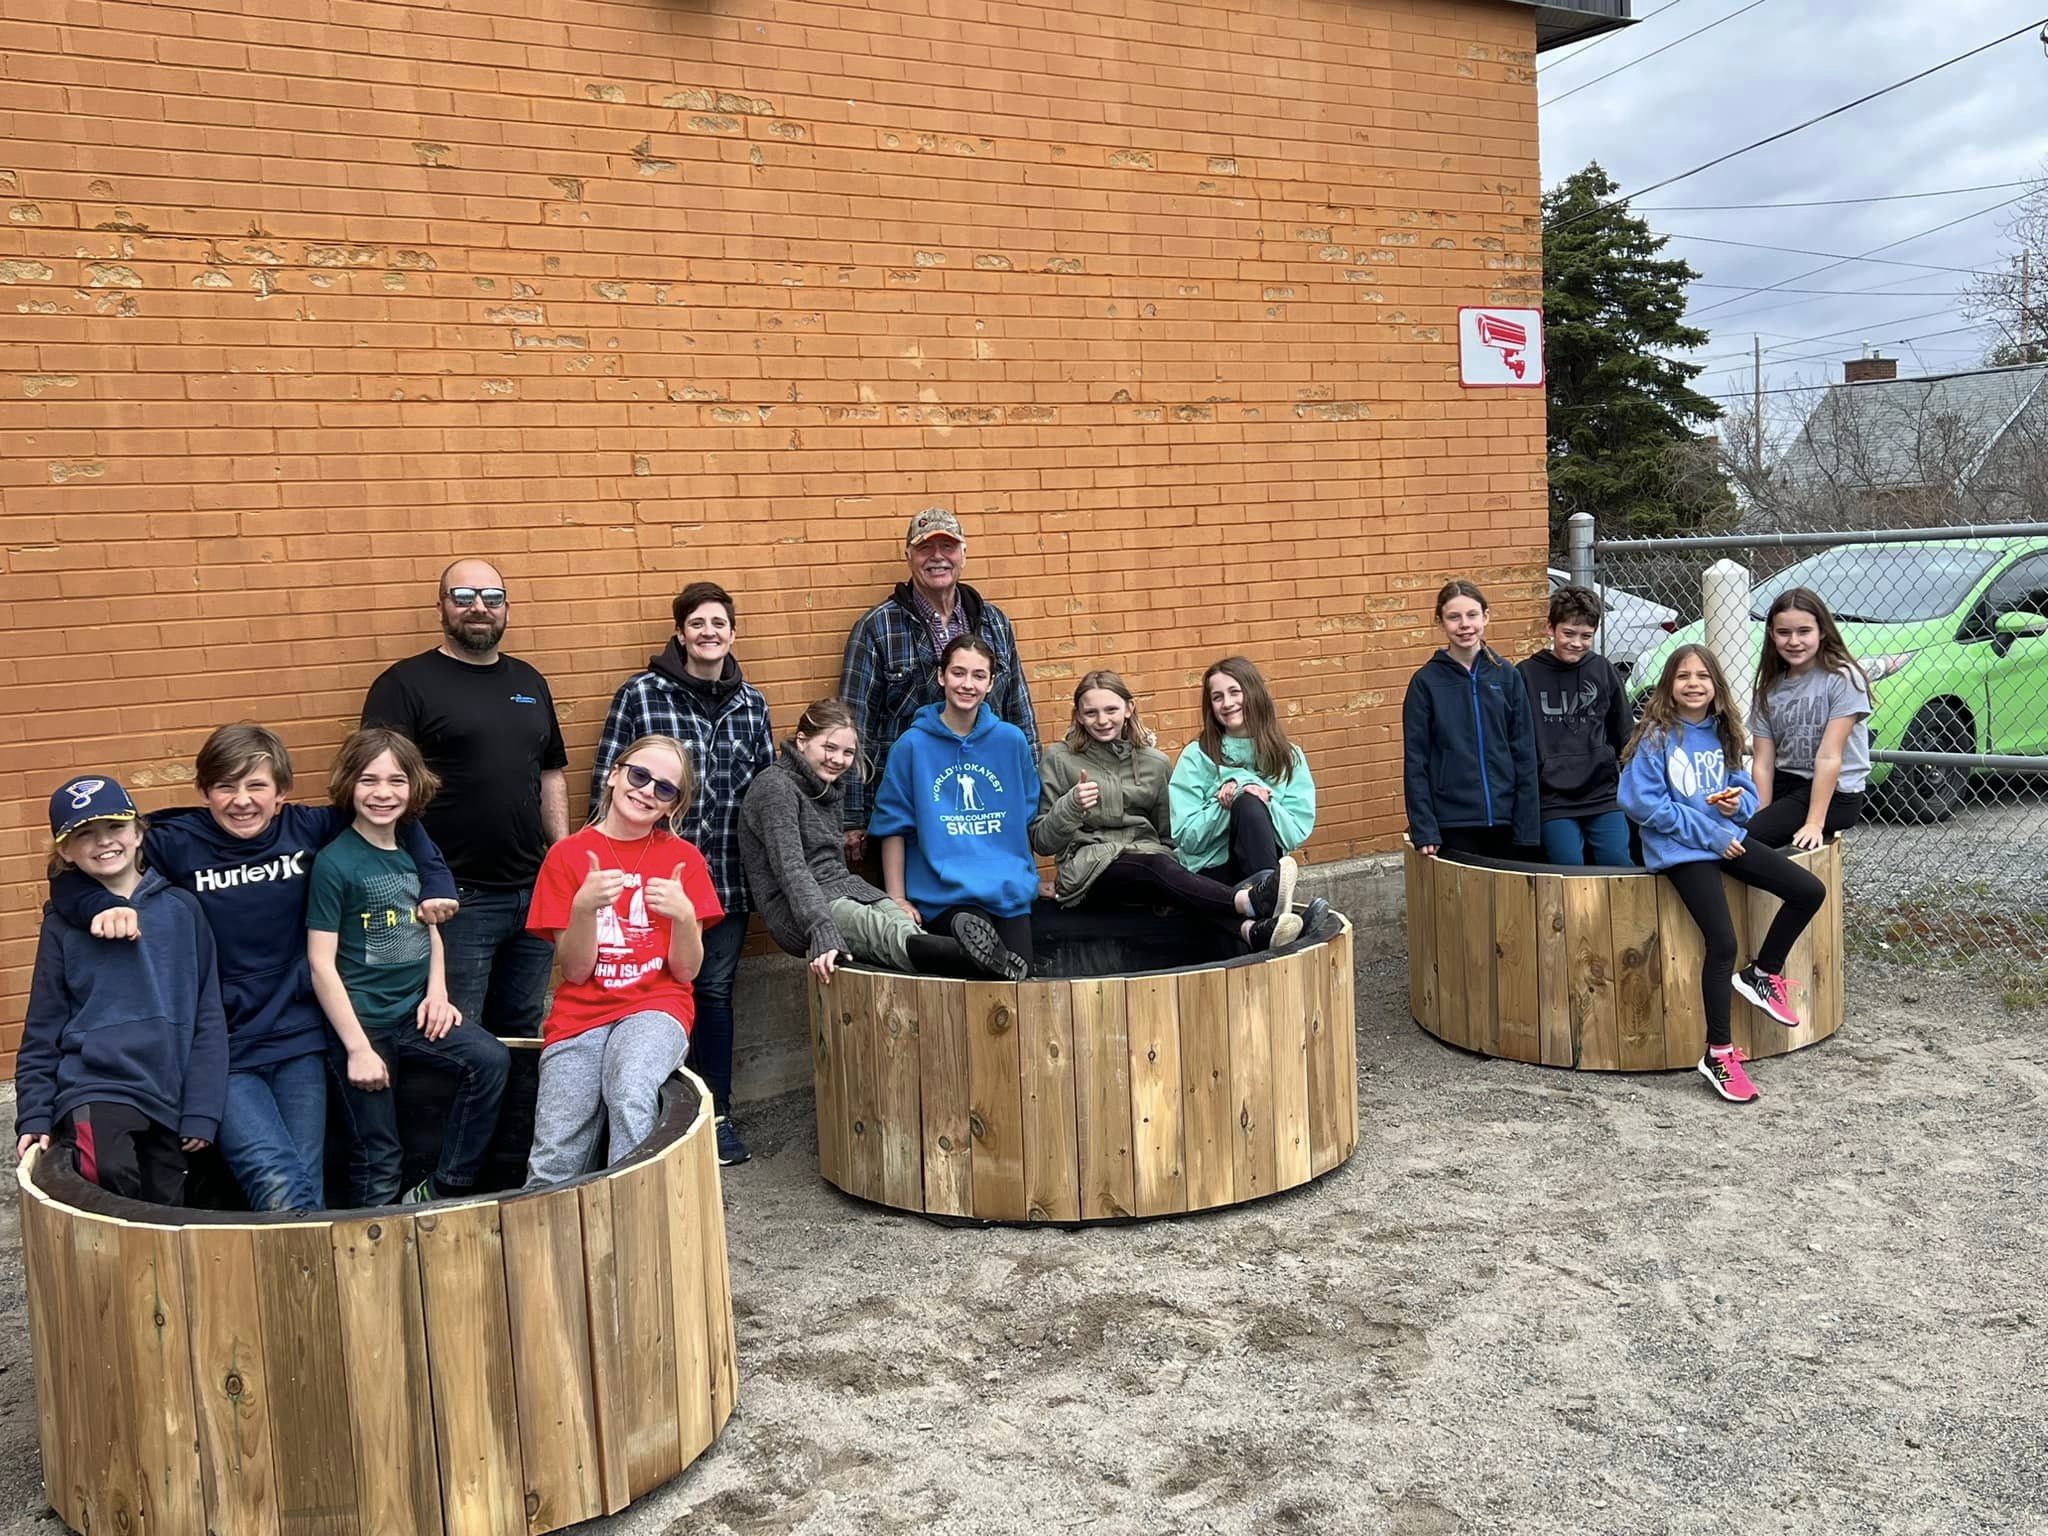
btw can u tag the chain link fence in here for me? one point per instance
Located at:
(1950, 864)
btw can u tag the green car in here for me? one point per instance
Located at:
(1954, 637)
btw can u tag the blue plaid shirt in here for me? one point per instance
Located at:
(726, 729)
(892, 671)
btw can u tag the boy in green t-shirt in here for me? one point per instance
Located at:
(378, 974)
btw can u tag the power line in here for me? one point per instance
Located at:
(1836, 293)
(1786, 133)
(1645, 58)
(1847, 330)
(1833, 354)
(1829, 202)
(1836, 257)
(1593, 43)
(1803, 389)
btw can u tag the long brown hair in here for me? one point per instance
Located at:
(1272, 753)
(1660, 710)
(364, 748)
(1834, 651)
(1134, 730)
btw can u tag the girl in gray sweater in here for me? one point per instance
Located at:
(794, 852)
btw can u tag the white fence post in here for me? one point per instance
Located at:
(1724, 601)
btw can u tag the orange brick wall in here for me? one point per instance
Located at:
(300, 298)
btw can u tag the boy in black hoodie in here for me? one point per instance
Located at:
(1582, 724)
(124, 1055)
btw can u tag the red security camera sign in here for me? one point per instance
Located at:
(1500, 348)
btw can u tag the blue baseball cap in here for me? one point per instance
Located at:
(88, 798)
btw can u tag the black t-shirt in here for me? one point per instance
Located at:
(489, 732)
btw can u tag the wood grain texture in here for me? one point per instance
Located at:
(946, 1101)
(1152, 1012)
(1518, 1003)
(1103, 1098)
(1638, 973)
(230, 1378)
(1052, 1182)
(1683, 953)
(166, 1432)
(551, 1369)
(316, 1495)
(995, 1070)
(860, 1059)
(825, 1078)
(469, 1350)
(1420, 909)
(690, 1285)
(1447, 892)
(1340, 986)
(646, 1326)
(721, 1345)
(1287, 1013)
(899, 1125)
(112, 1499)
(609, 1385)
(1206, 1108)
(46, 1273)
(1254, 1159)
(1479, 973)
(1557, 1044)
(1589, 960)
(384, 1346)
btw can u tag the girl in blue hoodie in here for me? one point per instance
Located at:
(247, 854)
(123, 1051)
(1682, 783)
(954, 811)
(1468, 741)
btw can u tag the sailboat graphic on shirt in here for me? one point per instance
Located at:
(615, 939)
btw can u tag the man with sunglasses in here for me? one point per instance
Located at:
(486, 724)
(694, 691)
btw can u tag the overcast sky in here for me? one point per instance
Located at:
(1982, 121)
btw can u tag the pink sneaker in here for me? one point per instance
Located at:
(1768, 991)
(1722, 1068)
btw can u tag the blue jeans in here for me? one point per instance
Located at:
(273, 1132)
(711, 1035)
(497, 971)
(1601, 839)
(376, 1156)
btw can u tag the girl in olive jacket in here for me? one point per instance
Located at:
(1104, 816)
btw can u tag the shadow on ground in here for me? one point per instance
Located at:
(1534, 1302)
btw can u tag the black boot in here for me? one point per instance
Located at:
(985, 947)
(931, 955)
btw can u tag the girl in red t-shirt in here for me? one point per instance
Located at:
(625, 903)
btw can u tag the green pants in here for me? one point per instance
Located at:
(875, 931)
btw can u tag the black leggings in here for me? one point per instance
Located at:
(1791, 803)
(1699, 887)
(1254, 845)
(1160, 879)
(1015, 932)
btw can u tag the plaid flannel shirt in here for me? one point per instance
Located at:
(891, 672)
(729, 740)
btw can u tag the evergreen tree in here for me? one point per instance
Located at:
(1622, 413)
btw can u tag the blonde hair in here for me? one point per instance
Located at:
(1134, 730)
(686, 781)
(364, 748)
(58, 863)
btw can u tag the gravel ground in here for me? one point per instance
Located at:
(1991, 857)
(1533, 1302)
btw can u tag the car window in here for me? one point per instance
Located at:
(1880, 584)
(2023, 589)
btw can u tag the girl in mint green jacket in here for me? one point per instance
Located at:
(1241, 793)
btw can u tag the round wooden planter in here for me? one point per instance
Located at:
(1088, 1099)
(497, 1365)
(1599, 971)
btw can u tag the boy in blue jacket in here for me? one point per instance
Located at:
(247, 854)
(124, 1048)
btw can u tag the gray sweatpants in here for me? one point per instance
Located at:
(615, 1070)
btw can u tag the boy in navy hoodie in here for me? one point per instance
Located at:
(1582, 722)
(247, 854)
(124, 1050)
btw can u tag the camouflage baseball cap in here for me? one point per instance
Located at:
(930, 523)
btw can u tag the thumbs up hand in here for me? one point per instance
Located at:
(665, 898)
(600, 888)
(1087, 793)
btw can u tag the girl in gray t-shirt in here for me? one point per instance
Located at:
(1810, 719)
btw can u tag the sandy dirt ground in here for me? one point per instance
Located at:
(1533, 1302)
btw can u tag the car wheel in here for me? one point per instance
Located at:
(1923, 792)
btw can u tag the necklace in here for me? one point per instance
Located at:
(619, 859)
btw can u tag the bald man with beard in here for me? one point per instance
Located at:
(486, 724)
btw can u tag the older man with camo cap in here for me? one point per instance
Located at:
(892, 655)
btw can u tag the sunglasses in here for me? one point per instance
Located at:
(640, 778)
(493, 598)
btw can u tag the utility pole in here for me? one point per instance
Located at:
(1756, 409)
(2026, 301)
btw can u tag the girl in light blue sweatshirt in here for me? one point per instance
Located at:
(1682, 783)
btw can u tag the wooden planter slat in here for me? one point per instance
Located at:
(507, 1364)
(1090, 1099)
(1598, 971)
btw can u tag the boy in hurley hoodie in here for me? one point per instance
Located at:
(247, 855)
(955, 805)
(1582, 722)
(123, 1050)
